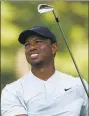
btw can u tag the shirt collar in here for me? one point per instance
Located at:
(53, 78)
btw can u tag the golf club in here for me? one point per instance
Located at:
(42, 8)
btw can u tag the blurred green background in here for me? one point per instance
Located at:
(18, 16)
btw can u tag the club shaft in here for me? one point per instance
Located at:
(65, 40)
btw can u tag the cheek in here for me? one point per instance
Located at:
(46, 51)
(27, 50)
(27, 53)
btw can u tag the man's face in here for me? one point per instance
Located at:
(39, 50)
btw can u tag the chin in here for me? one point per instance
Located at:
(36, 63)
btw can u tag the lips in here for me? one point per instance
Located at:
(34, 55)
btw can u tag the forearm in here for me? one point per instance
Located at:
(22, 115)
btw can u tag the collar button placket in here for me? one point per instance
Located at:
(45, 92)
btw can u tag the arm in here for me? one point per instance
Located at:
(22, 115)
(84, 111)
(11, 104)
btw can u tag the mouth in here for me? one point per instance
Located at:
(34, 55)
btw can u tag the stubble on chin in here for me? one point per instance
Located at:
(36, 64)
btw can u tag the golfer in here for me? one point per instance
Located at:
(44, 91)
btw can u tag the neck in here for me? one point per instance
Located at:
(43, 72)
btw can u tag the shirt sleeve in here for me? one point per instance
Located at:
(84, 110)
(11, 105)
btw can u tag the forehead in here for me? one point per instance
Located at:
(35, 37)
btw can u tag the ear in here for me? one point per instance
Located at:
(54, 48)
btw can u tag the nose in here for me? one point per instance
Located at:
(33, 46)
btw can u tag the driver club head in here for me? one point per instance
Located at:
(42, 8)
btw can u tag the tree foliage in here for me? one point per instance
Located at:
(21, 15)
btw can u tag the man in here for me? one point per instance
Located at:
(44, 91)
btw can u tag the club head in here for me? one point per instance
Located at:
(42, 8)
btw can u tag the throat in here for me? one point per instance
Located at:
(43, 73)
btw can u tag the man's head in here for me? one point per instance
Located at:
(40, 45)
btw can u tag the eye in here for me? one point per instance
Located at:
(39, 41)
(27, 44)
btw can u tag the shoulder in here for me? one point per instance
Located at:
(16, 86)
(12, 98)
(69, 79)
